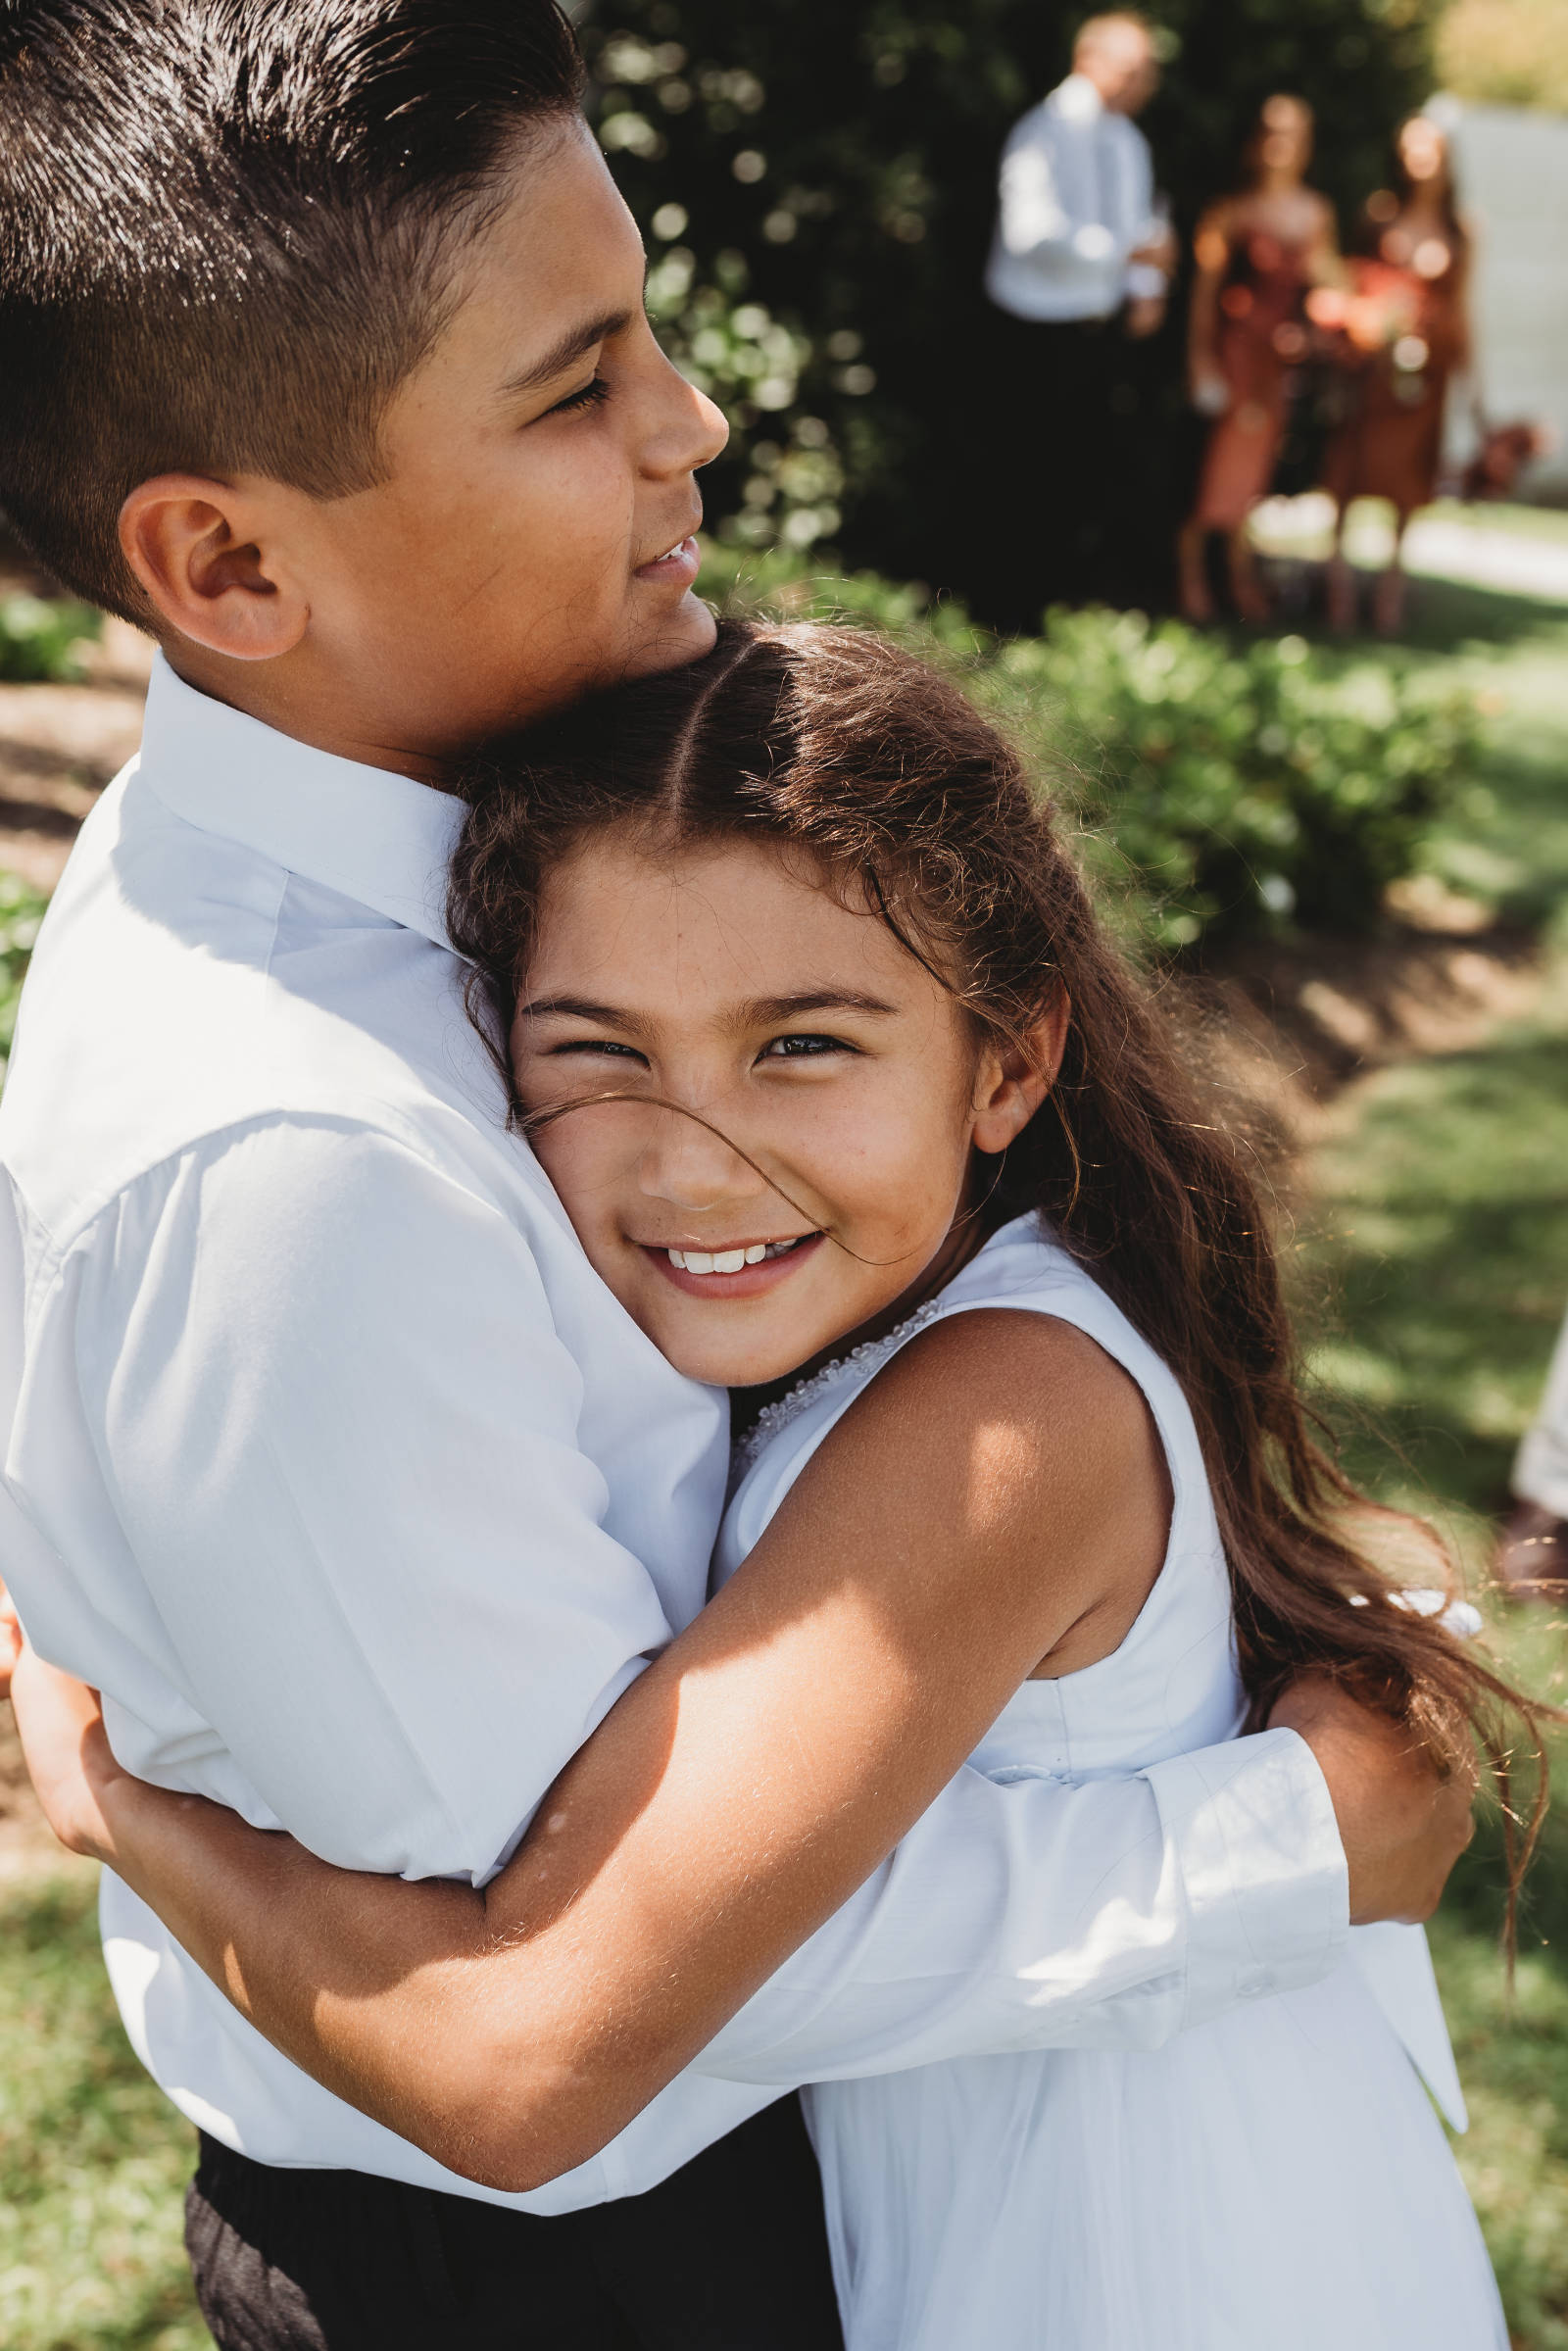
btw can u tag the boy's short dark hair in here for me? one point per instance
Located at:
(225, 228)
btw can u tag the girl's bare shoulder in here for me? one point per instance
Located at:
(1033, 1445)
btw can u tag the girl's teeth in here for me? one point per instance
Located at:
(728, 1261)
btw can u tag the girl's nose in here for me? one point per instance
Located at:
(689, 1166)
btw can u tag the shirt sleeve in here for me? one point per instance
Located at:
(1033, 219)
(339, 1432)
(1030, 1914)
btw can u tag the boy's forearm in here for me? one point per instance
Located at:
(361, 1979)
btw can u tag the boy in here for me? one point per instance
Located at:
(327, 1458)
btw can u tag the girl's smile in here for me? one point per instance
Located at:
(760, 1109)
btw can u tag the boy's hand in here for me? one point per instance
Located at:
(10, 1641)
(1403, 1826)
(66, 1753)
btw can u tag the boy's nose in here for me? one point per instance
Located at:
(691, 429)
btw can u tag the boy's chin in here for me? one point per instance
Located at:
(690, 631)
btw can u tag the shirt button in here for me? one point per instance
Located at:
(1251, 1988)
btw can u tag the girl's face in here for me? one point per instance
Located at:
(847, 1092)
(1423, 151)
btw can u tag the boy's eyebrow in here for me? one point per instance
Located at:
(566, 351)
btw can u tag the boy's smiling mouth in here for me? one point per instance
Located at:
(680, 563)
(744, 1269)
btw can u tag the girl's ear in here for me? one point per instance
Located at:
(1013, 1080)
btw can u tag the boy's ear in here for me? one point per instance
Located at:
(1013, 1082)
(209, 567)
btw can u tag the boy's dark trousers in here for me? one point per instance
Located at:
(729, 2254)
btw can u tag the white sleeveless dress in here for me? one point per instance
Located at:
(1276, 2178)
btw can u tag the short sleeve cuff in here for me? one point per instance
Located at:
(1252, 1830)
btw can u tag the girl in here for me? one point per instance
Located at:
(1258, 251)
(826, 1055)
(1406, 335)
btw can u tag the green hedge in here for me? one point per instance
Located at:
(41, 638)
(21, 913)
(1246, 787)
(1223, 788)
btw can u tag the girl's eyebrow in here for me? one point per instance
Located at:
(761, 1011)
(755, 1013)
(578, 1007)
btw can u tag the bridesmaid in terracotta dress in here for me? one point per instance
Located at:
(1405, 328)
(1260, 251)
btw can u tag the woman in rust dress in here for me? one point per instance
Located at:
(1406, 331)
(1260, 251)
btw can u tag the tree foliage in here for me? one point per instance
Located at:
(816, 183)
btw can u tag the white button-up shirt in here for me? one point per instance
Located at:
(332, 1463)
(1077, 197)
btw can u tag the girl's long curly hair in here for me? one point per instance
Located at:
(854, 754)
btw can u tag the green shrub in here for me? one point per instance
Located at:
(21, 913)
(1223, 788)
(1246, 788)
(41, 638)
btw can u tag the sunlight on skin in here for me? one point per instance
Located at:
(854, 1092)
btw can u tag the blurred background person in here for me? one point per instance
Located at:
(1405, 334)
(1260, 251)
(1080, 262)
(1531, 1555)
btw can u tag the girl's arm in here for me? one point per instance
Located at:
(739, 1792)
(1211, 248)
(1325, 263)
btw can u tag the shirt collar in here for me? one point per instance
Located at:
(373, 836)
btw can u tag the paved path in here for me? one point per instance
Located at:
(1483, 555)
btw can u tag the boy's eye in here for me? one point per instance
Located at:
(803, 1048)
(587, 395)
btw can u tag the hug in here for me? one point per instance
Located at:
(652, 1464)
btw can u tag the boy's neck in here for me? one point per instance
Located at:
(278, 696)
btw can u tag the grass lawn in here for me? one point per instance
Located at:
(93, 2161)
(1434, 1256)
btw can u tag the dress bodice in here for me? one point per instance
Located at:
(1171, 1686)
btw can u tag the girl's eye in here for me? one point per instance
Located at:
(589, 395)
(801, 1049)
(601, 1046)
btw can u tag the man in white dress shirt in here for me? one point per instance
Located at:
(327, 1458)
(1083, 262)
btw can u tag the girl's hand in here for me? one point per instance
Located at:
(66, 1751)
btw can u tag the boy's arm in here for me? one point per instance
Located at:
(366, 1593)
(749, 1782)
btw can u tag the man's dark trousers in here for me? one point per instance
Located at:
(729, 2254)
